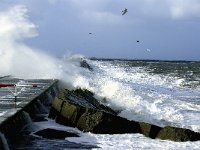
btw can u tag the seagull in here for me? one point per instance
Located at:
(124, 11)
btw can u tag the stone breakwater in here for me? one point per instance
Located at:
(78, 108)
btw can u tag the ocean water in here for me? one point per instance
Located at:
(158, 92)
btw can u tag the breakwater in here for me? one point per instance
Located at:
(79, 108)
(16, 111)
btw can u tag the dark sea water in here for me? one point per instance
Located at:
(158, 92)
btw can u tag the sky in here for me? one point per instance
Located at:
(165, 29)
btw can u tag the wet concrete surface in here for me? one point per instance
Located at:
(24, 90)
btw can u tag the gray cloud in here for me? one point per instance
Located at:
(14, 24)
(166, 27)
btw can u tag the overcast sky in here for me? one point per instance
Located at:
(165, 29)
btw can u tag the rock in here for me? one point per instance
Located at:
(84, 64)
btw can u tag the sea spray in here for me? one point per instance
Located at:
(20, 60)
(140, 93)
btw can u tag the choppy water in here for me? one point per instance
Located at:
(161, 93)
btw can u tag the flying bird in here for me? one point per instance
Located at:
(137, 41)
(124, 11)
(90, 33)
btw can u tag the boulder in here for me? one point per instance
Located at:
(84, 64)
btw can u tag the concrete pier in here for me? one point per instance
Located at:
(13, 109)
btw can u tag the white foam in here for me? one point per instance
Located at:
(180, 82)
(139, 95)
(114, 141)
(2, 113)
(132, 141)
(36, 126)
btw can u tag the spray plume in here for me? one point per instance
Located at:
(19, 60)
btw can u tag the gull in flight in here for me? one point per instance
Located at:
(124, 11)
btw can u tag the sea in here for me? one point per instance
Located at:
(164, 93)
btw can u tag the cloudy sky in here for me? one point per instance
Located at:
(165, 29)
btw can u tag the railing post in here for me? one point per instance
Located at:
(15, 101)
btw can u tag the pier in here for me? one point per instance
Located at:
(21, 96)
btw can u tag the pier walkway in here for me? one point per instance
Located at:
(15, 98)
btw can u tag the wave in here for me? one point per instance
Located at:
(139, 95)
